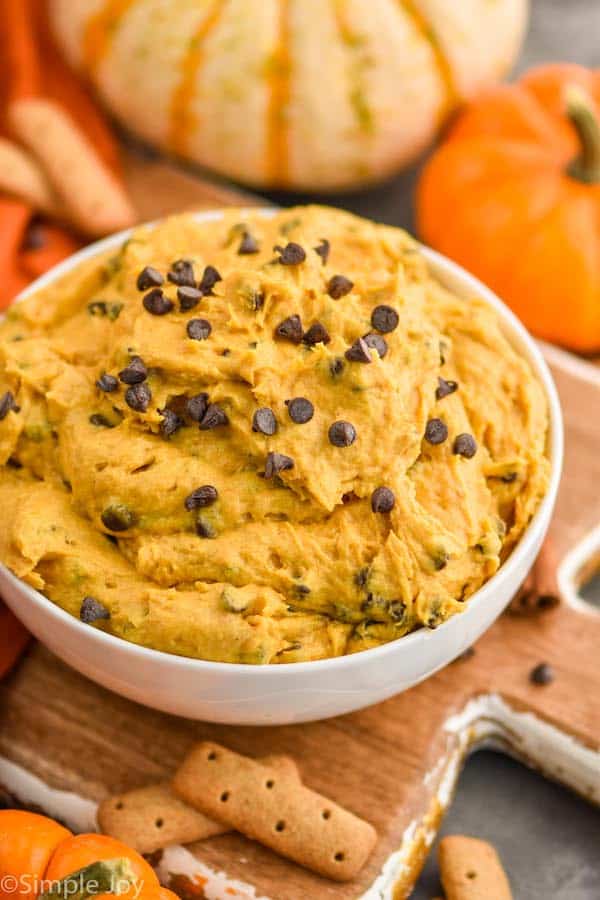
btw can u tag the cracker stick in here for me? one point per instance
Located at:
(287, 817)
(94, 200)
(21, 176)
(471, 870)
(153, 817)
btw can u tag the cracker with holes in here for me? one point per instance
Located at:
(287, 817)
(153, 817)
(470, 869)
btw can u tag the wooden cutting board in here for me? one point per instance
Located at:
(397, 763)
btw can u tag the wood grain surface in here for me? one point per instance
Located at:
(384, 763)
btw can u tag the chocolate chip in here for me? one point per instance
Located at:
(210, 276)
(382, 500)
(359, 352)
(542, 674)
(213, 418)
(376, 342)
(445, 388)
(156, 303)
(316, 334)
(204, 529)
(8, 404)
(202, 496)
(322, 249)
(138, 397)
(290, 255)
(277, 462)
(465, 445)
(264, 421)
(436, 431)
(101, 421)
(135, 372)
(149, 278)
(248, 244)
(171, 422)
(188, 297)
(300, 410)
(339, 286)
(336, 366)
(384, 318)
(182, 273)
(118, 517)
(342, 434)
(198, 329)
(108, 383)
(196, 407)
(92, 611)
(290, 329)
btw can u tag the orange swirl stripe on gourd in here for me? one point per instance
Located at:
(514, 196)
(279, 95)
(427, 31)
(183, 121)
(349, 37)
(99, 32)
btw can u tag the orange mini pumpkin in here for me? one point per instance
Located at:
(514, 196)
(27, 842)
(38, 856)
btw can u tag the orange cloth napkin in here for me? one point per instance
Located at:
(31, 66)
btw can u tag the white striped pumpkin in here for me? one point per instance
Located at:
(305, 94)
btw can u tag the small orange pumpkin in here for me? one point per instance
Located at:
(75, 853)
(36, 852)
(514, 196)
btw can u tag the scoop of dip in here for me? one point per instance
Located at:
(263, 440)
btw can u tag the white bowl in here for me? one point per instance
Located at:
(294, 692)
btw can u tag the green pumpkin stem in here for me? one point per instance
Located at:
(112, 876)
(580, 110)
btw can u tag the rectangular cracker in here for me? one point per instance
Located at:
(93, 198)
(21, 176)
(287, 817)
(153, 817)
(470, 869)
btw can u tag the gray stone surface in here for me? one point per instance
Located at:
(548, 838)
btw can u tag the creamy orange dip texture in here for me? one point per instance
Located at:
(263, 440)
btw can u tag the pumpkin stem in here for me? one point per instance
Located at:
(112, 876)
(580, 110)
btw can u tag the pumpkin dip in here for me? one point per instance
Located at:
(263, 440)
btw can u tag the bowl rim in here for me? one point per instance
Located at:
(518, 336)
